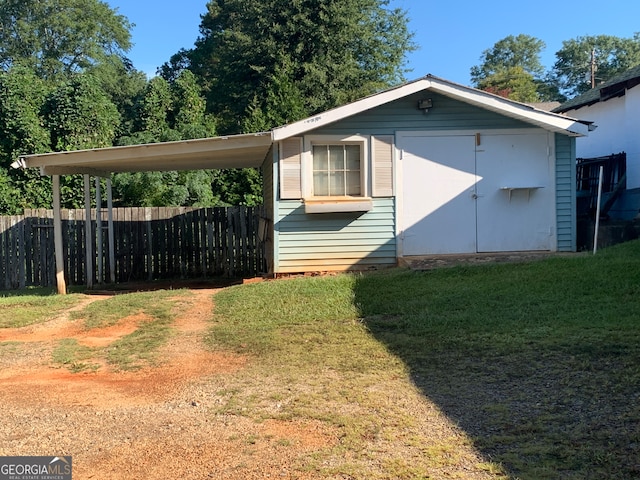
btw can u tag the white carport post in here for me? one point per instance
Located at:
(112, 255)
(57, 237)
(99, 246)
(88, 240)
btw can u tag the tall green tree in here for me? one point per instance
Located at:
(521, 51)
(611, 56)
(188, 114)
(79, 116)
(124, 85)
(511, 68)
(22, 131)
(169, 111)
(333, 51)
(58, 37)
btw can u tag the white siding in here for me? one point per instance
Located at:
(618, 131)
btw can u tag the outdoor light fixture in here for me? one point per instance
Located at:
(425, 105)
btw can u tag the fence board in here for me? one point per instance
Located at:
(150, 243)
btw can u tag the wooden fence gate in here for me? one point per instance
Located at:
(150, 243)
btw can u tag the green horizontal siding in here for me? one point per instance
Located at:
(402, 114)
(335, 241)
(566, 193)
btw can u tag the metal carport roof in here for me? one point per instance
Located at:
(234, 151)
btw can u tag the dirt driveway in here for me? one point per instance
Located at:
(155, 423)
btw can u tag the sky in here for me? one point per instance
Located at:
(450, 36)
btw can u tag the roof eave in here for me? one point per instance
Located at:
(219, 152)
(520, 111)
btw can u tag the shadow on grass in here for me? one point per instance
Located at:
(130, 287)
(166, 284)
(546, 387)
(35, 291)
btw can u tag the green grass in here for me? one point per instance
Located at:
(157, 304)
(132, 351)
(140, 348)
(28, 307)
(77, 358)
(538, 363)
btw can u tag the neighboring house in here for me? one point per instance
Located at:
(614, 107)
(429, 167)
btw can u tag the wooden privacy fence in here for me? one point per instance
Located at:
(150, 243)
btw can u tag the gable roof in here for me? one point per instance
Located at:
(250, 150)
(616, 87)
(510, 108)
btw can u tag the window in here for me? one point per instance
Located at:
(335, 174)
(337, 170)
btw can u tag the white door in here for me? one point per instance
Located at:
(438, 189)
(460, 197)
(515, 193)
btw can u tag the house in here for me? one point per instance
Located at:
(615, 107)
(429, 167)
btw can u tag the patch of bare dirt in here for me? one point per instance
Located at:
(430, 262)
(154, 423)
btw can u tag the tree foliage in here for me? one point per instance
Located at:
(511, 68)
(79, 115)
(521, 52)
(512, 82)
(22, 131)
(264, 63)
(612, 55)
(55, 37)
(168, 111)
(153, 189)
(320, 53)
(124, 85)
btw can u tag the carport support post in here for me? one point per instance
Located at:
(99, 249)
(57, 237)
(112, 254)
(88, 241)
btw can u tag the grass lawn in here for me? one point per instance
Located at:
(537, 363)
(131, 352)
(508, 371)
(26, 307)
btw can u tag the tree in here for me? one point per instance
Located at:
(188, 114)
(58, 37)
(611, 55)
(22, 131)
(168, 111)
(238, 186)
(79, 115)
(264, 63)
(512, 69)
(333, 51)
(124, 85)
(158, 189)
(522, 52)
(512, 82)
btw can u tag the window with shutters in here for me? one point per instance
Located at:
(333, 173)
